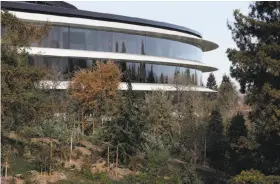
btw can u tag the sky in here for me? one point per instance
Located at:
(208, 18)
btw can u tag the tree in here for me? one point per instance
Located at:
(216, 140)
(256, 66)
(241, 149)
(211, 82)
(117, 47)
(157, 112)
(151, 78)
(161, 78)
(126, 130)
(91, 87)
(237, 128)
(227, 98)
(22, 101)
(225, 79)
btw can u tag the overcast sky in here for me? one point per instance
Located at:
(208, 18)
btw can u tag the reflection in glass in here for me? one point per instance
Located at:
(107, 41)
(137, 72)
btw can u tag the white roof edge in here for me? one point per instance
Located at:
(135, 86)
(119, 27)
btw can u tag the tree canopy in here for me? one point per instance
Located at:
(21, 99)
(256, 66)
(211, 82)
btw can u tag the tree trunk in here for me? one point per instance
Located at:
(50, 169)
(108, 160)
(117, 158)
(71, 146)
(205, 147)
(195, 152)
(92, 125)
(6, 169)
(83, 123)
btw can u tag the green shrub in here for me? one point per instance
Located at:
(249, 177)
(30, 132)
(272, 179)
(101, 178)
(254, 177)
(157, 161)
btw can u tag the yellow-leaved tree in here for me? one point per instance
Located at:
(90, 87)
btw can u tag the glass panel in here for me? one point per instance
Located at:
(138, 72)
(58, 37)
(105, 41)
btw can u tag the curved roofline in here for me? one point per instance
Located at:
(61, 4)
(43, 9)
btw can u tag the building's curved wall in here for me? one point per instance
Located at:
(139, 72)
(118, 57)
(118, 27)
(68, 37)
(152, 52)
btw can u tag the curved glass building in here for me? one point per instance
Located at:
(154, 53)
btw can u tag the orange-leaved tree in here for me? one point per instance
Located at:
(90, 87)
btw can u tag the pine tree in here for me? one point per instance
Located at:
(241, 149)
(117, 47)
(226, 79)
(123, 48)
(166, 80)
(237, 128)
(211, 82)
(256, 66)
(142, 65)
(125, 130)
(216, 140)
(227, 98)
(151, 78)
(161, 78)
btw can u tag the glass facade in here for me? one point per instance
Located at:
(139, 72)
(68, 37)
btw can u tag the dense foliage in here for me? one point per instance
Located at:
(256, 66)
(211, 82)
(21, 100)
(152, 137)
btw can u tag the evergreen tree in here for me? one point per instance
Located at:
(188, 74)
(227, 98)
(151, 78)
(237, 128)
(161, 78)
(22, 101)
(241, 149)
(166, 80)
(226, 79)
(123, 65)
(123, 48)
(211, 82)
(142, 65)
(216, 140)
(125, 130)
(195, 78)
(256, 66)
(117, 47)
